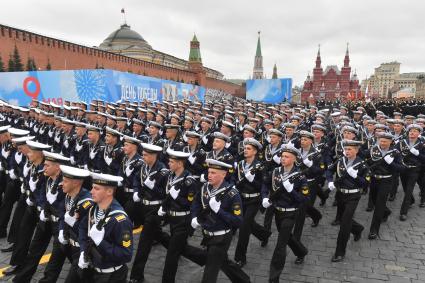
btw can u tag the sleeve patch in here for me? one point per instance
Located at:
(86, 204)
(120, 218)
(190, 196)
(305, 191)
(237, 209)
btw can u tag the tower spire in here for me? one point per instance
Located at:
(258, 61)
(274, 71)
(347, 57)
(318, 59)
(195, 52)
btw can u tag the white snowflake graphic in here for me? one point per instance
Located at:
(90, 84)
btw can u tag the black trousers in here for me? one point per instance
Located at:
(268, 218)
(248, 227)
(17, 219)
(134, 211)
(11, 195)
(3, 183)
(118, 276)
(151, 231)
(57, 259)
(408, 178)
(180, 229)
(347, 204)
(307, 208)
(42, 235)
(421, 184)
(285, 222)
(26, 231)
(382, 189)
(396, 182)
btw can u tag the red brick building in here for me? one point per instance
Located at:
(64, 55)
(332, 82)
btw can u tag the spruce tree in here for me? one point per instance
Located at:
(10, 64)
(19, 67)
(1, 64)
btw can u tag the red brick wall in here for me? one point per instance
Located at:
(68, 56)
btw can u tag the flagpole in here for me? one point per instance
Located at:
(123, 12)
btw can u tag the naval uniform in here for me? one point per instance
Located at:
(285, 204)
(116, 247)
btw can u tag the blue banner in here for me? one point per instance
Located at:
(19, 88)
(269, 91)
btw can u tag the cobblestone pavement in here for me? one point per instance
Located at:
(397, 257)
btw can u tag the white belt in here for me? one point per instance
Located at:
(74, 243)
(216, 233)
(39, 208)
(128, 190)
(382, 176)
(148, 202)
(108, 270)
(250, 195)
(178, 213)
(346, 191)
(282, 209)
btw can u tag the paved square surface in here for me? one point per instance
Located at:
(397, 257)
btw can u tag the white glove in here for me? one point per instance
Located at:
(414, 151)
(66, 143)
(108, 160)
(22, 188)
(149, 183)
(29, 202)
(174, 193)
(161, 211)
(12, 174)
(72, 160)
(202, 179)
(307, 162)
(86, 167)
(61, 238)
(291, 143)
(331, 186)
(192, 159)
(205, 139)
(276, 158)
(51, 198)
(81, 262)
(43, 217)
(97, 235)
(70, 220)
(266, 203)
(214, 204)
(389, 159)
(185, 138)
(352, 172)
(227, 144)
(194, 223)
(128, 171)
(92, 154)
(33, 185)
(250, 177)
(288, 186)
(136, 197)
(5, 153)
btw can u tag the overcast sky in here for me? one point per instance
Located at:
(377, 30)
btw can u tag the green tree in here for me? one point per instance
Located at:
(10, 64)
(49, 66)
(31, 65)
(19, 67)
(1, 64)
